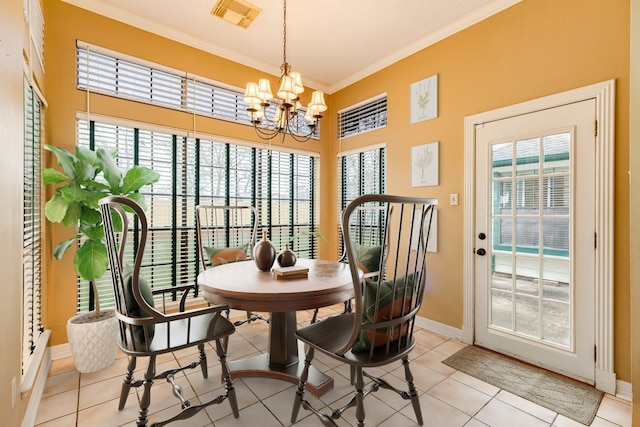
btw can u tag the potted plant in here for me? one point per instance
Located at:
(85, 178)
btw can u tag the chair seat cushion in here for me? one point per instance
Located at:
(394, 301)
(225, 255)
(133, 308)
(171, 336)
(332, 333)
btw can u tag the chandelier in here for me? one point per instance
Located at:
(287, 118)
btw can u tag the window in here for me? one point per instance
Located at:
(32, 226)
(362, 172)
(281, 185)
(363, 117)
(110, 73)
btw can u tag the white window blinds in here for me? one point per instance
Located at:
(32, 225)
(363, 117)
(103, 71)
(360, 173)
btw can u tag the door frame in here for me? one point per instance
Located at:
(604, 94)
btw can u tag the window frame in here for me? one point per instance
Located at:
(367, 168)
(184, 162)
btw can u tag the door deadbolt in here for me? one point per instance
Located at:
(482, 236)
(481, 252)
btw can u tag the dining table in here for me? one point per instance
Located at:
(242, 286)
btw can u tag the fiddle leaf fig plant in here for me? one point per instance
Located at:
(85, 178)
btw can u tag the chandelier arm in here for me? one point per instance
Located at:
(265, 133)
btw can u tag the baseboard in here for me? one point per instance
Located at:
(30, 415)
(439, 328)
(624, 390)
(60, 351)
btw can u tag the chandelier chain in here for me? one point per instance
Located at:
(284, 36)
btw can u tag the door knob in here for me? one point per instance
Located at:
(481, 252)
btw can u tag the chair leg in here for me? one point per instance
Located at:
(126, 383)
(203, 361)
(359, 397)
(145, 400)
(299, 398)
(413, 393)
(228, 382)
(314, 318)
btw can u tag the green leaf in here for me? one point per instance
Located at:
(90, 216)
(56, 208)
(85, 153)
(93, 232)
(116, 221)
(53, 176)
(112, 173)
(84, 171)
(97, 186)
(137, 177)
(94, 197)
(62, 247)
(66, 160)
(72, 216)
(73, 193)
(139, 198)
(91, 260)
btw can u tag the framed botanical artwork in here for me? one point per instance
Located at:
(424, 99)
(424, 165)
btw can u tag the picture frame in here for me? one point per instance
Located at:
(424, 99)
(424, 164)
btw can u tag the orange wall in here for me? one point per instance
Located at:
(533, 49)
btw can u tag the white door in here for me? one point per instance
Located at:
(535, 233)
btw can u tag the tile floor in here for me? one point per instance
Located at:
(448, 397)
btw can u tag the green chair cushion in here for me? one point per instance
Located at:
(391, 305)
(133, 308)
(225, 255)
(368, 257)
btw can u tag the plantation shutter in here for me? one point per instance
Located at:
(32, 225)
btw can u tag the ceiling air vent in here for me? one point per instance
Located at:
(237, 12)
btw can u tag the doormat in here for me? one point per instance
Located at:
(563, 395)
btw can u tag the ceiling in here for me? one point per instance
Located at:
(332, 43)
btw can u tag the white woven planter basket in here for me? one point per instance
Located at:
(93, 342)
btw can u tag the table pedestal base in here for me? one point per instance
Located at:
(282, 361)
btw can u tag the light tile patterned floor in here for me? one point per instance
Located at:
(449, 398)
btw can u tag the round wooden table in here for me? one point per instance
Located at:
(242, 286)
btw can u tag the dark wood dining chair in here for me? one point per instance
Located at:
(227, 234)
(379, 330)
(145, 331)
(367, 227)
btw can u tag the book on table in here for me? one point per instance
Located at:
(292, 272)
